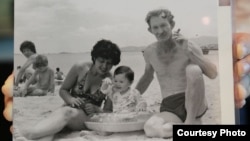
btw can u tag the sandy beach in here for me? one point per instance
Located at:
(28, 110)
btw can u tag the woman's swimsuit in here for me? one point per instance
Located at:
(95, 98)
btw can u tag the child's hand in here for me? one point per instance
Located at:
(106, 83)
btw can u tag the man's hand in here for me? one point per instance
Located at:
(183, 42)
(179, 38)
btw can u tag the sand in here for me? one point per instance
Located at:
(29, 110)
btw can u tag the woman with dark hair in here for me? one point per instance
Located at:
(81, 94)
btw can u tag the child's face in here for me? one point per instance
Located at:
(121, 83)
(27, 52)
(41, 68)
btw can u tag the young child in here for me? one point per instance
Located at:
(124, 98)
(43, 77)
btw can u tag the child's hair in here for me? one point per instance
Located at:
(57, 69)
(28, 45)
(129, 73)
(41, 61)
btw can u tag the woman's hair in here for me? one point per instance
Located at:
(164, 13)
(28, 45)
(107, 50)
(40, 61)
(129, 73)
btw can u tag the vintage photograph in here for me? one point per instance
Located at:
(114, 70)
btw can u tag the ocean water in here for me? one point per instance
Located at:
(66, 61)
(133, 59)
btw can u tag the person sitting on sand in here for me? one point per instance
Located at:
(124, 98)
(179, 66)
(59, 74)
(81, 94)
(28, 49)
(43, 77)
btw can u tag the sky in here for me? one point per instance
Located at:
(76, 25)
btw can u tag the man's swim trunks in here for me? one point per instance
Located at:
(176, 104)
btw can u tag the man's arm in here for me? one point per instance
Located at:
(196, 56)
(23, 68)
(147, 77)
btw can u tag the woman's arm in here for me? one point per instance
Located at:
(69, 83)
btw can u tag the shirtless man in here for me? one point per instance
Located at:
(179, 65)
(29, 51)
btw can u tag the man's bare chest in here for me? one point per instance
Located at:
(169, 62)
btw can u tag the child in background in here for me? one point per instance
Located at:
(59, 75)
(43, 77)
(124, 98)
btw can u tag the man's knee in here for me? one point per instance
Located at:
(156, 127)
(151, 127)
(193, 72)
